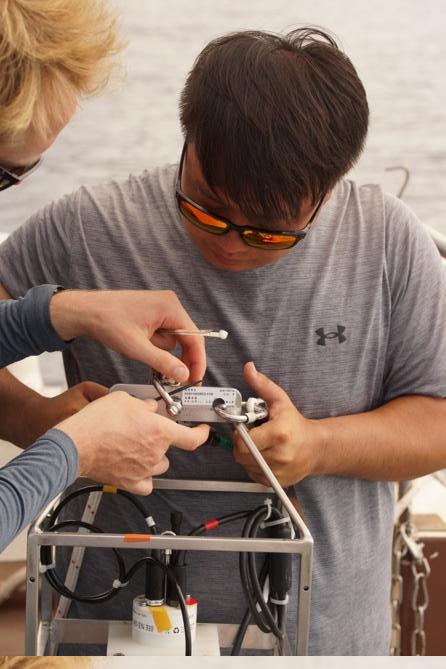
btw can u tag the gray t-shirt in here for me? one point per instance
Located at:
(352, 318)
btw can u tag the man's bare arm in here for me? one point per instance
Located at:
(26, 415)
(16, 401)
(400, 440)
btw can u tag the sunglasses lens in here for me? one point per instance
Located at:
(201, 219)
(268, 240)
(5, 181)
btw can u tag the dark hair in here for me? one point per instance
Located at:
(274, 118)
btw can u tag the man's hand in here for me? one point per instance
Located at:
(42, 413)
(127, 322)
(122, 441)
(285, 440)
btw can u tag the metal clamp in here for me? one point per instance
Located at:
(254, 409)
(173, 406)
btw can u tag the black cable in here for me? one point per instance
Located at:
(50, 526)
(246, 577)
(243, 627)
(187, 630)
(60, 587)
(241, 632)
(179, 557)
(270, 617)
(51, 519)
(124, 577)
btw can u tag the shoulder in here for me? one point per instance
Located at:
(408, 241)
(378, 214)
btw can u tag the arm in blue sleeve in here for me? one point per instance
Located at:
(25, 326)
(30, 481)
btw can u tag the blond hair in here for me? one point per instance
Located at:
(51, 52)
(18, 662)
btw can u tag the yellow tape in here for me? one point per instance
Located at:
(161, 618)
(110, 488)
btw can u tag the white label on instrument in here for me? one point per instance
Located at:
(205, 396)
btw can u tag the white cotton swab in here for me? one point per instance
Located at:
(220, 334)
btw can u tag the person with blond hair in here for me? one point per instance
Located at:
(52, 54)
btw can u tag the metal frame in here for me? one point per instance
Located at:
(43, 632)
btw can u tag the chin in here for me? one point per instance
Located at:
(233, 265)
(227, 264)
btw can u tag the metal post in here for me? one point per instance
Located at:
(303, 611)
(32, 595)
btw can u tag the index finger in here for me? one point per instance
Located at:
(193, 354)
(188, 438)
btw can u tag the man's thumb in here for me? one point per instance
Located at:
(264, 387)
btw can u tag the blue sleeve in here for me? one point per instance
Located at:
(30, 481)
(25, 326)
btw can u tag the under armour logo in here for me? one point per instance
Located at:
(331, 335)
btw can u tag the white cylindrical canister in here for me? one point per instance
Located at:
(161, 625)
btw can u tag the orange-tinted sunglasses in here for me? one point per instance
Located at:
(260, 238)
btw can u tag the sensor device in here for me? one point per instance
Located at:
(196, 402)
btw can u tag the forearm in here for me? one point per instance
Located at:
(74, 313)
(33, 479)
(403, 439)
(16, 403)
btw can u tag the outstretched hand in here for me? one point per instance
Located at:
(128, 321)
(122, 441)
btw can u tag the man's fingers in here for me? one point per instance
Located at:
(161, 467)
(257, 475)
(261, 436)
(153, 353)
(273, 394)
(193, 355)
(145, 351)
(92, 391)
(189, 438)
(143, 487)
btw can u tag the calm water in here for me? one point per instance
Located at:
(398, 47)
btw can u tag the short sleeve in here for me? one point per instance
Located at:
(39, 252)
(416, 280)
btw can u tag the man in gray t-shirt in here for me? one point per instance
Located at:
(348, 322)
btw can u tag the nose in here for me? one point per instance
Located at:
(231, 242)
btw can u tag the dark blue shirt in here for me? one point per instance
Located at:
(32, 479)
